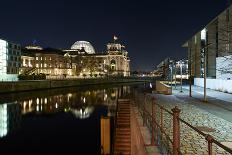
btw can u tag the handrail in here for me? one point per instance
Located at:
(115, 126)
(208, 137)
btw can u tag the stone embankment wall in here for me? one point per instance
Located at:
(17, 86)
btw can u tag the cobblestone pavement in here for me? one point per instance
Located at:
(191, 141)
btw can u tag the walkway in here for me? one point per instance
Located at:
(213, 117)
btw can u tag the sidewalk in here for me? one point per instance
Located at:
(211, 93)
(218, 103)
(211, 117)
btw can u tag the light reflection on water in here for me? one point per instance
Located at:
(54, 118)
(81, 104)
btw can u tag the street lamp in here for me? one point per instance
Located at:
(171, 73)
(205, 63)
(175, 75)
(181, 76)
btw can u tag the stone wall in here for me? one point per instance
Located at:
(215, 84)
(47, 84)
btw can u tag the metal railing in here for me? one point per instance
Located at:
(153, 116)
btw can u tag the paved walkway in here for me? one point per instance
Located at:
(211, 93)
(214, 116)
(219, 103)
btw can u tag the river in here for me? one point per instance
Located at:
(63, 120)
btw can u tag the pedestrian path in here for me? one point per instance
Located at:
(218, 103)
(191, 142)
(211, 93)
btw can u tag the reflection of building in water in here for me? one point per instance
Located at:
(10, 116)
(75, 100)
(83, 112)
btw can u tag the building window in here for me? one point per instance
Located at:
(37, 65)
(41, 65)
(50, 58)
(41, 58)
(37, 58)
(45, 65)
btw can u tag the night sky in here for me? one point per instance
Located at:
(151, 30)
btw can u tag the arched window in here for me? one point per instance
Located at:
(113, 64)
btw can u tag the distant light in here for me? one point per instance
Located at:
(150, 85)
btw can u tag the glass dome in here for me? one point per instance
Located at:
(85, 44)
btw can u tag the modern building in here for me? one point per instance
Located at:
(211, 47)
(10, 62)
(169, 68)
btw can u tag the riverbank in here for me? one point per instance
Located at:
(17, 86)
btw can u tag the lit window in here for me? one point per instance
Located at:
(41, 58)
(44, 58)
(37, 65)
(50, 58)
(41, 65)
(37, 58)
(45, 65)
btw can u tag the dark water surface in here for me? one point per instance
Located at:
(57, 121)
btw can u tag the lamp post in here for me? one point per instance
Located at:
(205, 97)
(171, 73)
(205, 63)
(175, 75)
(181, 76)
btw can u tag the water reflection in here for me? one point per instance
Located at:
(10, 116)
(80, 103)
(83, 112)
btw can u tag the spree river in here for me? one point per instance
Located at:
(58, 120)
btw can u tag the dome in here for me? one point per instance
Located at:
(83, 44)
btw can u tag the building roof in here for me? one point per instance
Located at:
(43, 51)
(83, 45)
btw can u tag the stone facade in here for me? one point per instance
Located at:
(75, 63)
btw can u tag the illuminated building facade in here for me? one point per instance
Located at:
(114, 62)
(9, 60)
(48, 61)
(78, 62)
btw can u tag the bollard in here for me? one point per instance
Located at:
(209, 139)
(176, 131)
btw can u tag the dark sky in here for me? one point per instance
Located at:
(151, 30)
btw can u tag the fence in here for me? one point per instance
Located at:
(171, 133)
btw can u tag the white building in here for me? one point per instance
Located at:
(10, 54)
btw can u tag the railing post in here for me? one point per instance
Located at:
(176, 130)
(144, 104)
(209, 139)
(153, 121)
(161, 122)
